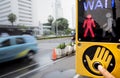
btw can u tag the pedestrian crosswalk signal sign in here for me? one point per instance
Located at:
(98, 20)
(97, 37)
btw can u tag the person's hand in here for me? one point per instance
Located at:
(104, 72)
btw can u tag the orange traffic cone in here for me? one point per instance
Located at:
(54, 55)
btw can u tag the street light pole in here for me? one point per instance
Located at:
(57, 24)
(56, 28)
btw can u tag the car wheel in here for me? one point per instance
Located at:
(30, 55)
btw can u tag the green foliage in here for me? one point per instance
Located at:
(47, 24)
(61, 46)
(12, 18)
(68, 31)
(44, 37)
(70, 44)
(22, 27)
(45, 33)
(61, 23)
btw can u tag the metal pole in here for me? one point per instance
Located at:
(56, 28)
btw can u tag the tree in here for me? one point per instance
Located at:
(62, 24)
(50, 19)
(68, 31)
(12, 18)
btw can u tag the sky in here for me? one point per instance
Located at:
(43, 8)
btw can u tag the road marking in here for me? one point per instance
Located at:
(42, 67)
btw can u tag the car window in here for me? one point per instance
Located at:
(5, 43)
(20, 41)
(30, 39)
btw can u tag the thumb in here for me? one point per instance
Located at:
(104, 72)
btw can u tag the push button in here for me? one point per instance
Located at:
(95, 65)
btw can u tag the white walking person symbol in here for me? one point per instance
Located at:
(107, 27)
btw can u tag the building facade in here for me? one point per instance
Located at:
(21, 8)
(57, 9)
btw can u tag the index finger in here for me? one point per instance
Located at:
(104, 72)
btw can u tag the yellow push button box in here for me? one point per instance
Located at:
(91, 54)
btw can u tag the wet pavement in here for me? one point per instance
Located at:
(62, 68)
(44, 59)
(61, 74)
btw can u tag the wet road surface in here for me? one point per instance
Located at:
(62, 68)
